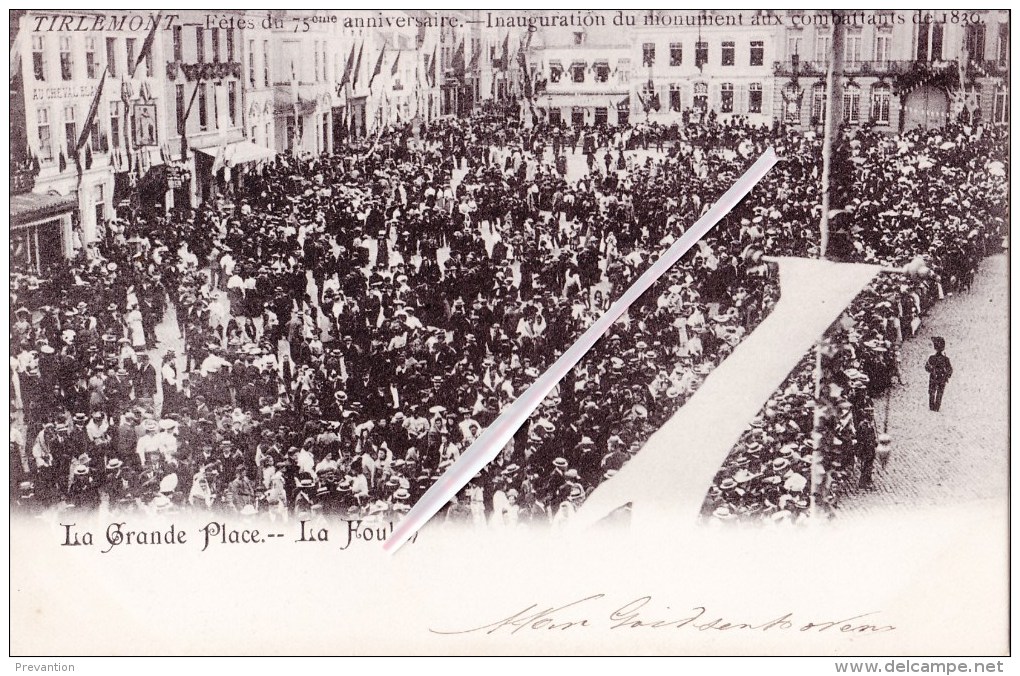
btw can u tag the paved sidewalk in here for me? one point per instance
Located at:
(961, 453)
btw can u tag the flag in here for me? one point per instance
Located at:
(393, 69)
(523, 61)
(378, 66)
(504, 59)
(221, 158)
(147, 45)
(347, 70)
(357, 65)
(90, 119)
(431, 75)
(669, 477)
(474, 56)
(458, 60)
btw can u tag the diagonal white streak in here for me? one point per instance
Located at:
(498, 434)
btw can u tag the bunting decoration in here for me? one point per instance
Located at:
(90, 119)
(147, 45)
(378, 66)
(347, 72)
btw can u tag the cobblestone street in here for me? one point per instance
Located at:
(960, 454)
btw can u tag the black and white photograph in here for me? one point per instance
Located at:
(280, 280)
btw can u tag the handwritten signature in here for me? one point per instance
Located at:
(641, 613)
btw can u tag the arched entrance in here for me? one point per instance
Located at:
(926, 107)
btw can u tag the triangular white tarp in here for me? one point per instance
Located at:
(666, 481)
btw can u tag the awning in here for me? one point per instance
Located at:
(240, 152)
(30, 206)
(600, 62)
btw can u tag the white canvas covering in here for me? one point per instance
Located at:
(666, 481)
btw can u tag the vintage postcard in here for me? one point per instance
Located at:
(277, 277)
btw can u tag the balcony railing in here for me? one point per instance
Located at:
(795, 68)
(981, 68)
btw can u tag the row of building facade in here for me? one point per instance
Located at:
(185, 101)
(179, 103)
(900, 69)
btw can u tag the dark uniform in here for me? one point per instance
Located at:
(940, 370)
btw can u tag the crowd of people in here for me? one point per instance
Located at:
(329, 336)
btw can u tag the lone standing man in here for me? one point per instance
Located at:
(939, 372)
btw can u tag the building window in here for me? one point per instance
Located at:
(700, 54)
(555, 117)
(1003, 44)
(757, 52)
(94, 136)
(852, 104)
(648, 54)
(676, 53)
(251, 62)
(1000, 109)
(265, 63)
(579, 38)
(203, 108)
(199, 44)
(38, 58)
(852, 49)
(316, 61)
(882, 48)
(675, 97)
(818, 104)
(111, 56)
(729, 54)
(115, 124)
(130, 54)
(325, 63)
(701, 96)
(602, 71)
(65, 59)
(881, 98)
(726, 98)
(45, 135)
(929, 42)
(230, 44)
(794, 46)
(623, 71)
(755, 98)
(215, 45)
(216, 105)
(937, 31)
(822, 43)
(179, 97)
(70, 130)
(555, 72)
(90, 58)
(577, 72)
(178, 43)
(976, 41)
(100, 198)
(232, 102)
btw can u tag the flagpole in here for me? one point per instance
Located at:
(822, 427)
